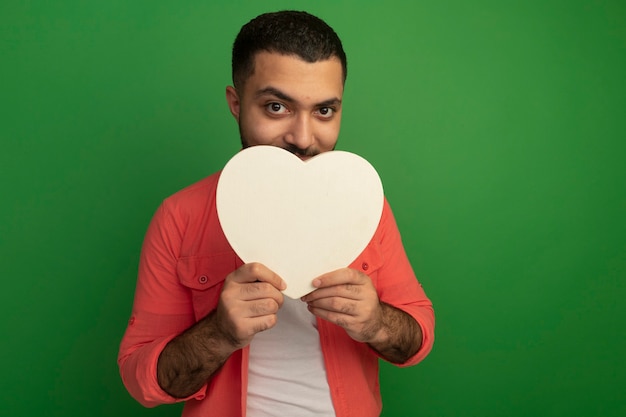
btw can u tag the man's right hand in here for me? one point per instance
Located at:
(248, 303)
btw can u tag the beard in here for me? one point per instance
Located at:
(309, 152)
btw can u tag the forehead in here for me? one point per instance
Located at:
(296, 77)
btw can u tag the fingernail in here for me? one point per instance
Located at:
(317, 282)
(283, 284)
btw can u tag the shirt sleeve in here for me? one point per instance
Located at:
(398, 286)
(162, 309)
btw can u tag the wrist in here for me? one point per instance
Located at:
(380, 333)
(222, 341)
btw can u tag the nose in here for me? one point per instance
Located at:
(300, 133)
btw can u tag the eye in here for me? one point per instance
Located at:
(276, 108)
(325, 112)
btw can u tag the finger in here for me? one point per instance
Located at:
(347, 283)
(264, 323)
(251, 282)
(347, 291)
(261, 308)
(254, 272)
(335, 304)
(243, 331)
(339, 277)
(257, 291)
(340, 319)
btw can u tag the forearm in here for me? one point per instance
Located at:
(191, 359)
(399, 336)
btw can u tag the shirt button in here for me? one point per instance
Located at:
(203, 279)
(131, 321)
(365, 266)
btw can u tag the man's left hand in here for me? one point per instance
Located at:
(347, 298)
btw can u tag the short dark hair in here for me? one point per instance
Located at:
(286, 32)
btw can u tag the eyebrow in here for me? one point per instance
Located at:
(272, 91)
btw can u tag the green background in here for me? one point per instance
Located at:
(498, 128)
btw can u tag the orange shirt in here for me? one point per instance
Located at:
(184, 261)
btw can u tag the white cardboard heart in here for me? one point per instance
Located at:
(300, 219)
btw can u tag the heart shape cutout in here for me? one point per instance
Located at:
(299, 218)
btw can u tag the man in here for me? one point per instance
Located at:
(218, 334)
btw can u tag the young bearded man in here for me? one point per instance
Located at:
(218, 334)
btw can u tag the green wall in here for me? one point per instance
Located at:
(498, 128)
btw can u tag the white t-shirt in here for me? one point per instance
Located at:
(286, 373)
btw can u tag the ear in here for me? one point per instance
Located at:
(234, 103)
